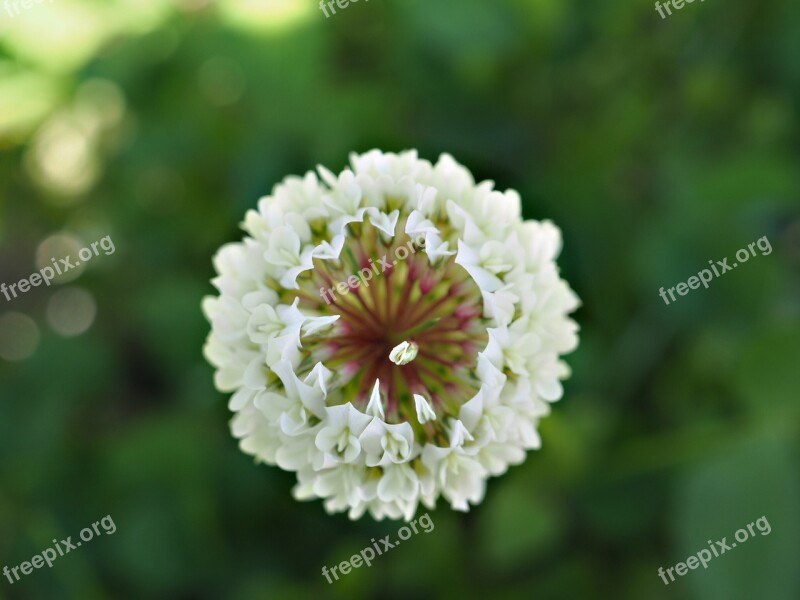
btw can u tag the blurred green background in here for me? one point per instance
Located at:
(655, 144)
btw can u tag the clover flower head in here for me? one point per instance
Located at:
(392, 333)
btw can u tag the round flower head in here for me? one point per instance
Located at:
(391, 334)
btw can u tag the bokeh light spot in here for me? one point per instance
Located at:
(19, 336)
(61, 245)
(221, 80)
(71, 311)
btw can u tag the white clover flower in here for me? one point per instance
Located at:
(391, 334)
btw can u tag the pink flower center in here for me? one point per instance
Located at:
(386, 293)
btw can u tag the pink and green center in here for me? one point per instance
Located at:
(415, 327)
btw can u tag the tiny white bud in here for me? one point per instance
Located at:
(404, 353)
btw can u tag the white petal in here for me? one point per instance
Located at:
(375, 407)
(385, 223)
(329, 250)
(315, 324)
(459, 434)
(424, 411)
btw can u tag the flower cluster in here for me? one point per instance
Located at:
(421, 385)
